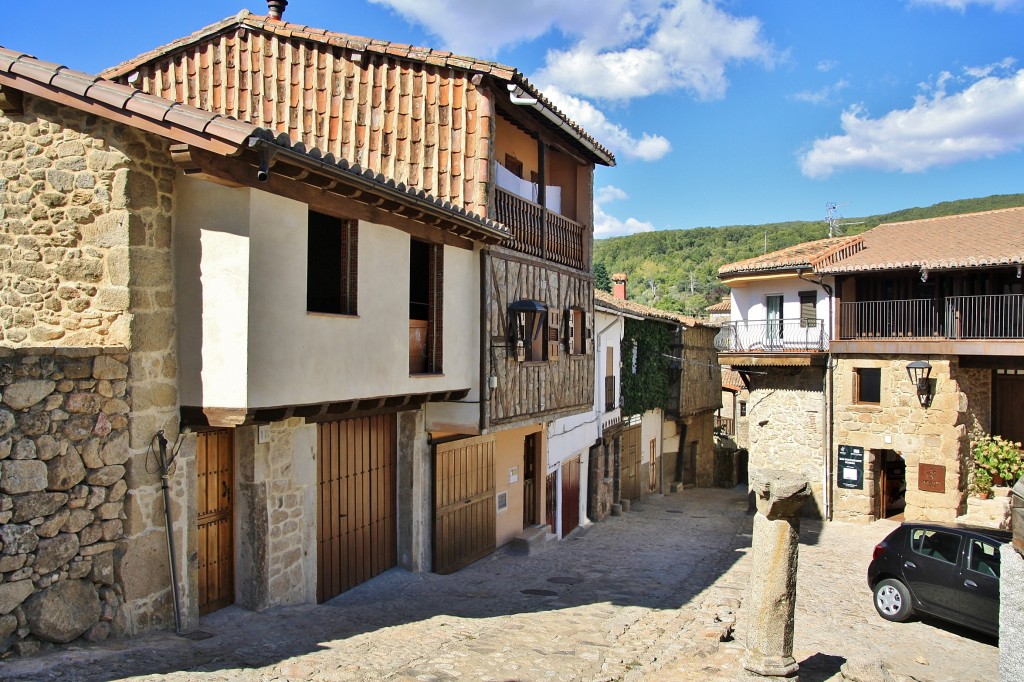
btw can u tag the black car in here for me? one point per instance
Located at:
(947, 571)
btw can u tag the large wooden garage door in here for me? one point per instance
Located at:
(630, 463)
(215, 539)
(356, 502)
(464, 504)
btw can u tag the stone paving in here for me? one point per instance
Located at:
(651, 595)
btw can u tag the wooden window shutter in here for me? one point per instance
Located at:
(519, 335)
(554, 333)
(588, 345)
(571, 331)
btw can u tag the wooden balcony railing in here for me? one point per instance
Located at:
(777, 336)
(955, 317)
(539, 232)
(725, 425)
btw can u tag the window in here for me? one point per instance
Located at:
(535, 331)
(743, 408)
(578, 331)
(867, 385)
(426, 307)
(935, 544)
(331, 265)
(808, 312)
(984, 558)
(514, 165)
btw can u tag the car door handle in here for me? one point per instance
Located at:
(970, 583)
(909, 564)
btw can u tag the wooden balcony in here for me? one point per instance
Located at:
(955, 317)
(964, 325)
(539, 232)
(725, 425)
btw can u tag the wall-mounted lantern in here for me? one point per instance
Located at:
(919, 371)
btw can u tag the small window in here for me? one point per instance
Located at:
(867, 386)
(331, 267)
(743, 408)
(514, 165)
(528, 328)
(984, 558)
(935, 544)
(578, 331)
(808, 312)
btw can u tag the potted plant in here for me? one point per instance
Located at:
(1001, 459)
(981, 484)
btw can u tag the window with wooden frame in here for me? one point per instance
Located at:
(514, 165)
(529, 324)
(867, 385)
(578, 333)
(426, 307)
(808, 309)
(332, 272)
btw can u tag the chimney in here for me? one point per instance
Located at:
(275, 8)
(619, 285)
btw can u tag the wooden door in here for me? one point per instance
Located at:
(570, 495)
(551, 500)
(464, 503)
(216, 551)
(630, 463)
(1008, 405)
(652, 466)
(530, 480)
(356, 502)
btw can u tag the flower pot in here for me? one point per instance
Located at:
(983, 496)
(997, 480)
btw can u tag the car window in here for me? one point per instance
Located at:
(936, 544)
(984, 558)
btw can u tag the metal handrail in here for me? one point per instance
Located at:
(991, 316)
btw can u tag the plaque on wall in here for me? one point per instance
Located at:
(850, 469)
(931, 478)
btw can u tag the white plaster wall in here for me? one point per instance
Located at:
(748, 302)
(571, 435)
(246, 338)
(650, 428)
(211, 256)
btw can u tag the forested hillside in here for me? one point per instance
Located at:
(678, 269)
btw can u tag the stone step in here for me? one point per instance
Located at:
(533, 540)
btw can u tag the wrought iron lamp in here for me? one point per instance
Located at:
(919, 371)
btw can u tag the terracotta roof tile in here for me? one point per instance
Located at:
(723, 306)
(800, 256)
(244, 19)
(961, 241)
(732, 379)
(606, 300)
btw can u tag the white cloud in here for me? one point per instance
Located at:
(647, 148)
(985, 119)
(619, 49)
(482, 27)
(961, 5)
(826, 65)
(823, 95)
(682, 45)
(609, 226)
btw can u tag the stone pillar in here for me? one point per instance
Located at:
(780, 496)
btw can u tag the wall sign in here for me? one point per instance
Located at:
(850, 472)
(931, 478)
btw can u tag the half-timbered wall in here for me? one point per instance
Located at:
(425, 125)
(526, 390)
(701, 385)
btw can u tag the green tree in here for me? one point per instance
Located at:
(602, 280)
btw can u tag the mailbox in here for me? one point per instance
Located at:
(1017, 516)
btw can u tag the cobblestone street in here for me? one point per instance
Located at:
(650, 595)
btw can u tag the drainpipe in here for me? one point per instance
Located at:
(828, 414)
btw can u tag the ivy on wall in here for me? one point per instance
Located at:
(650, 386)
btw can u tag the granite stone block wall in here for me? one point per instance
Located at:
(63, 447)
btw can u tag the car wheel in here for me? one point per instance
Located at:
(892, 600)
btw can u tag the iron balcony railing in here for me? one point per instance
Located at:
(775, 336)
(998, 316)
(540, 232)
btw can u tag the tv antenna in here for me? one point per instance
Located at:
(835, 228)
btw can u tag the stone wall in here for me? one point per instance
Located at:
(86, 261)
(938, 434)
(63, 449)
(785, 415)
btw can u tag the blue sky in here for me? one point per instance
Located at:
(720, 112)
